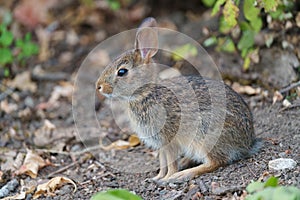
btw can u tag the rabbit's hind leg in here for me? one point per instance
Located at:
(190, 173)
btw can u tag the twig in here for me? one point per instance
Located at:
(76, 153)
(251, 171)
(62, 169)
(290, 107)
(293, 85)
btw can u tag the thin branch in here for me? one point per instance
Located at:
(288, 88)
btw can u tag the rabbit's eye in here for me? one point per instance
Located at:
(122, 71)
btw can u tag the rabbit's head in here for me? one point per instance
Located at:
(131, 70)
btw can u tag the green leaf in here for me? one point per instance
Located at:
(184, 51)
(208, 3)
(265, 194)
(249, 9)
(27, 37)
(114, 4)
(230, 13)
(6, 72)
(245, 26)
(5, 56)
(269, 5)
(217, 6)
(224, 27)
(6, 38)
(286, 193)
(247, 62)
(256, 24)
(247, 40)
(27, 48)
(210, 41)
(254, 187)
(115, 194)
(271, 182)
(226, 45)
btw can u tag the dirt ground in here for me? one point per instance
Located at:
(71, 152)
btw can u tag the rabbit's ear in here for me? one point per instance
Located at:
(146, 41)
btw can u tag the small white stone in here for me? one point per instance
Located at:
(282, 163)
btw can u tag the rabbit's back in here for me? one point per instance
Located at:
(197, 115)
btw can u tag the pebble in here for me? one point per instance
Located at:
(9, 187)
(29, 102)
(282, 163)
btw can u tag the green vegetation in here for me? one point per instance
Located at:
(115, 194)
(242, 20)
(11, 47)
(270, 190)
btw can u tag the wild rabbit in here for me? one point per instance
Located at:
(179, 116)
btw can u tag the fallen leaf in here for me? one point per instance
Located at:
(122, 144)
(277, 96)
(44, 134)
(21, 195)
(245, 89)
(23, 82)
(8, 107)
(32, 163)
(49, 187)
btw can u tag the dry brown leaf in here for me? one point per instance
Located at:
(32, 163)
(122, 144)
(44, 134)
(23, 82)
(245, 89)
(8, 107)
(277, 96)
(49, 187)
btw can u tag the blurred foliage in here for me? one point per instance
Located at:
(11, 47)
(244, 18)
(184, 51)
(270, 190)
(114, 4)
(115, 194)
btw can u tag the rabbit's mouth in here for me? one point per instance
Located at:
(108, 95)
